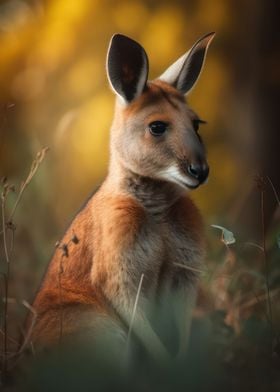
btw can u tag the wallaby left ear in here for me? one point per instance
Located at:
(127, 67)
(184, 73)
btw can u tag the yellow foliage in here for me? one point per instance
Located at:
(90, 137)
(82, 77)
(52, 65)
(214, 14)
(161, 35)
(58, 35)
(130, 16)
(209, 95)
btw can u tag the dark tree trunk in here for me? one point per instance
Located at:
(256, 65)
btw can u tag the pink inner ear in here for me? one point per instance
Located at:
(127, 74)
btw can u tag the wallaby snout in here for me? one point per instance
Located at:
(199, 171)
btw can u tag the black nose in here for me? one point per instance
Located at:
(199, 171)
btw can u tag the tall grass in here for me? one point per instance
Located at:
(8, 232)
(235, 339)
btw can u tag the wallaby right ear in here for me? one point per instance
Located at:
(184, 73)
(127, 67)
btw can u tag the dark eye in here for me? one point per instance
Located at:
(157, 128)
(196, 123)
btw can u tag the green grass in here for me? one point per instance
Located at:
(235, 338)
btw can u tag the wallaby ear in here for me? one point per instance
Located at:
(184, 73)
(127, 67)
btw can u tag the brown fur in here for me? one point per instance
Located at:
(139, 222)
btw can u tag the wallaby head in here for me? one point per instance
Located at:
(155, 132)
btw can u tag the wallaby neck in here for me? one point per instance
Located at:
(156, 196)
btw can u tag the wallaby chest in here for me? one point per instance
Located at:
(150, 233)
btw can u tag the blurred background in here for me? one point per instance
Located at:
(54, 93)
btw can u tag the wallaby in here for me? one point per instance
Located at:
(140, 232)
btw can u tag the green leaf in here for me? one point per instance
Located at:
(227, 236)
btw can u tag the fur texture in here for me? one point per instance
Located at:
(140, 221)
